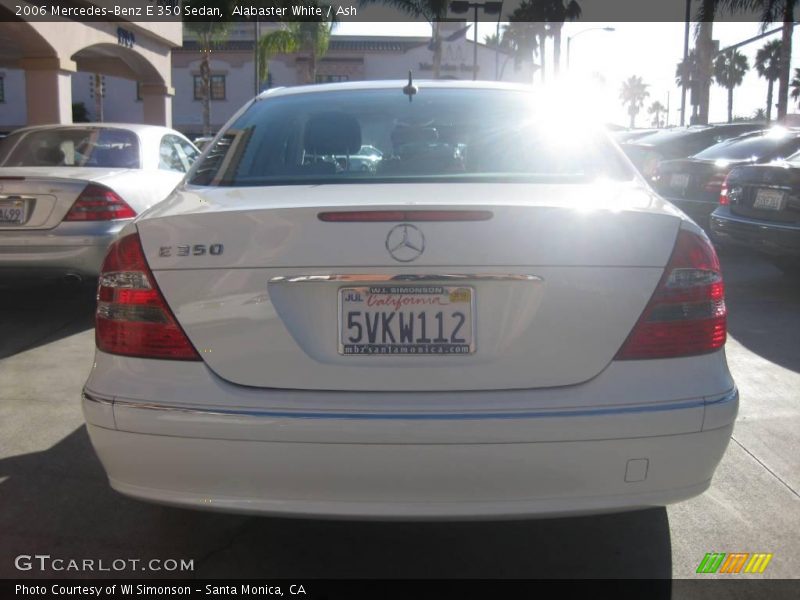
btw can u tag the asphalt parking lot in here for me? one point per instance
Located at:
(54, 498)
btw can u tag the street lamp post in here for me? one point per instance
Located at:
(489, 8)
(570, 38)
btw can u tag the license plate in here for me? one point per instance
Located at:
(12, 211)
(769, 199)
(679, 181)
(406, 320)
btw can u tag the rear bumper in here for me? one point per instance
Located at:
(771, 238)
(70, 248)
(291, 453)
(413, 481)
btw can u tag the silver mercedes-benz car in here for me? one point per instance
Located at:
(67, 190)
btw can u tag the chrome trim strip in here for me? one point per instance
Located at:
(381, 278)
(91, 397)
(728, 396)
(755, 223)
(278, 414)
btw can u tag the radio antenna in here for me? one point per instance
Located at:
(410, 89)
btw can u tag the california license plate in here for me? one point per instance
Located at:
(679, 181)
(12, 211)
(767, 199)
(406, 320)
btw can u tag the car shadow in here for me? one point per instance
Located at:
(32, 315)
(58, 502)
(763, 307)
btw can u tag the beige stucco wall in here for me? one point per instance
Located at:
(50, 52)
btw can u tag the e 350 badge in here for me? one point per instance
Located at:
(191, 250)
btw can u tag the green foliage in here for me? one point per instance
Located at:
(656, 109)
(686, 70)
(308, 37)
(768, 60)
(430, 10)
(795, 86)
(80, 114)
(729, 72)
(633, 93)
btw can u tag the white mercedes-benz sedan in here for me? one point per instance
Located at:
(500, 319)
(67, 190)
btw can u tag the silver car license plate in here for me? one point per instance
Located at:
(767, 199)
(679, 181)
(12, 211)
(406, 320)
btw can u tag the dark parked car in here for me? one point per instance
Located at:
(759, 208)
(625, 136)
(693, 184)
(679, 142)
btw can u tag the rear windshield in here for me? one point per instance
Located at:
(72, 147)
(666, 136)
(751, 148)
(794, 159)
(381, 135)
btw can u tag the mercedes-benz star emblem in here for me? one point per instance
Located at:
(405, 242)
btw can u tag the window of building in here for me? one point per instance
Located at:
(331, 78)
(217, 87)
(2, 89)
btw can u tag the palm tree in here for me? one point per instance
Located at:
(795, 85)
(705, 49)
(633, 92)
(522, 38)
(556, 13)
(760, 115)
(515, 40)
(729, 72)
(209, 36)
(494, 40)
(309, 37)
(656, 108)
(527, 31)
(686, 77)
(771, 12)
(768, 66)
(548, 17)
(432, 11)
(686, 70)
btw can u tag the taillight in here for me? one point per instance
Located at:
(655, 176)
(724, 199)
(650, 166)
(133, 318)
(99, 203)
(686, 315)
(715, 182)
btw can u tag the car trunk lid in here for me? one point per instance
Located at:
(693, 180)
(766, 192)
(549, 286)
(40, 197)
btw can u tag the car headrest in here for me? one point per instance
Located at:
(406, 134)
(49, 156)
(332, 133)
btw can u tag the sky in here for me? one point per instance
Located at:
(648, 50)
